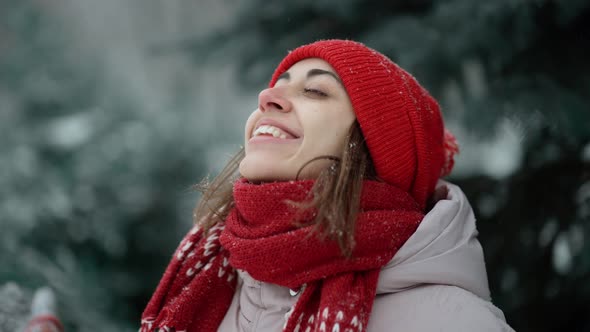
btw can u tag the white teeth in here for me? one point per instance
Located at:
(266, 129)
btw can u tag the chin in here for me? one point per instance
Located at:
(257, 172)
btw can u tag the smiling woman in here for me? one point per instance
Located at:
(333, 217)
(306, 114)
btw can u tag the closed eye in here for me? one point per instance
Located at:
(316, 92)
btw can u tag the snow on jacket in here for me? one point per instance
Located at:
(436, 282)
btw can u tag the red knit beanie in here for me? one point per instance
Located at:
(400, 121)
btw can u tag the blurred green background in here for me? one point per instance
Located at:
(111, 110)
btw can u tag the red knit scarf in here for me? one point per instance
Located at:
(259, 236)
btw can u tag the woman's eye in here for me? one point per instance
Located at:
(316, 92)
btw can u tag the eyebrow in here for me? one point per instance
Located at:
(312, 73)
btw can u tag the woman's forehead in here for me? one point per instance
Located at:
(311, 63)
(308, 68)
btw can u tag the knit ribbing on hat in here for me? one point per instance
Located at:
(400, 121)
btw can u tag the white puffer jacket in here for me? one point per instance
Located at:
(436, 282)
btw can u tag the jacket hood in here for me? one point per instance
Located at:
(443, 250)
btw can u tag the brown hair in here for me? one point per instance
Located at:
(335, 194)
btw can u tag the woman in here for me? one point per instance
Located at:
(336, 221)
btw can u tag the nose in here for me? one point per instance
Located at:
(274, 99)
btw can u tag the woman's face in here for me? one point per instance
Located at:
(307, 114)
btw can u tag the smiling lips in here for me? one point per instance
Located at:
(273, 131)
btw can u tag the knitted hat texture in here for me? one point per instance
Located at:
(400, 121)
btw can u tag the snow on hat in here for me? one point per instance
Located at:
(400, 121)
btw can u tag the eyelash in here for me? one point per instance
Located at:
(315, 92)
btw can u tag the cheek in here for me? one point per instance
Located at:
(331, 130)
(250, 122)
